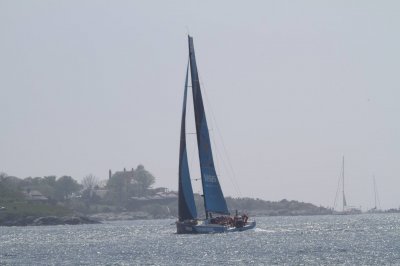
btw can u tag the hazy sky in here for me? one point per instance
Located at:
(87, 86)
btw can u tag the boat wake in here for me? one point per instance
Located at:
(260, 230)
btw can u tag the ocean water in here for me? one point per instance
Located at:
(308, 240)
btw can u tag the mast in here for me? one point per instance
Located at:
(374, 191)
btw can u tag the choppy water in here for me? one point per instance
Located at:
(360, 239)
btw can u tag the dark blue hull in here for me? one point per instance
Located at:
(203, 227)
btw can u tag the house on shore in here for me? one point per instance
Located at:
(34, 195)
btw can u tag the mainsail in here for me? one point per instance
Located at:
(214, 200)
(187, 207)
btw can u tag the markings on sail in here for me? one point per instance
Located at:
(210, 178)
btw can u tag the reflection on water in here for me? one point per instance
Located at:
(359, 239)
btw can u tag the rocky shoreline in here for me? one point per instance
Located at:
(48, 220)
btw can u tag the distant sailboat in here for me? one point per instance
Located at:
(214, 201)
(376, 207)
(346, 209)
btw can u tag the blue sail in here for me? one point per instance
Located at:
(187, 207)
(214, 200)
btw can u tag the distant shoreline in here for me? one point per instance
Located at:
(47, 220)
(111, 216)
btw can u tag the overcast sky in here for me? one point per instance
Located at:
(291, 86)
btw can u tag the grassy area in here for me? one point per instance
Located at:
(16, 206)
(25, 208)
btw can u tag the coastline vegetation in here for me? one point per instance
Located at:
(125, 195)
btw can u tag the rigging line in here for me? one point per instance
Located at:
(379, 199)
(337, 191)
(227, 161)
(225, 164)
(228, 165)
(217, 153)
(214, 121)
(373, 182)
(192, 157)
(218, 158)
(378, 202)
(193, 147)
(233, 180)
(336, 197)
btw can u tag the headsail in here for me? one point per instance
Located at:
(187, 207)
(214, 200)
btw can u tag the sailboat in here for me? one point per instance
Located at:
(346, 209)
(376, 208)
(214, 201)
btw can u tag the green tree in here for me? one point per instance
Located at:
(9, 187)
(143, 178)
(50, 180)
(10, 182)
(65, 186)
